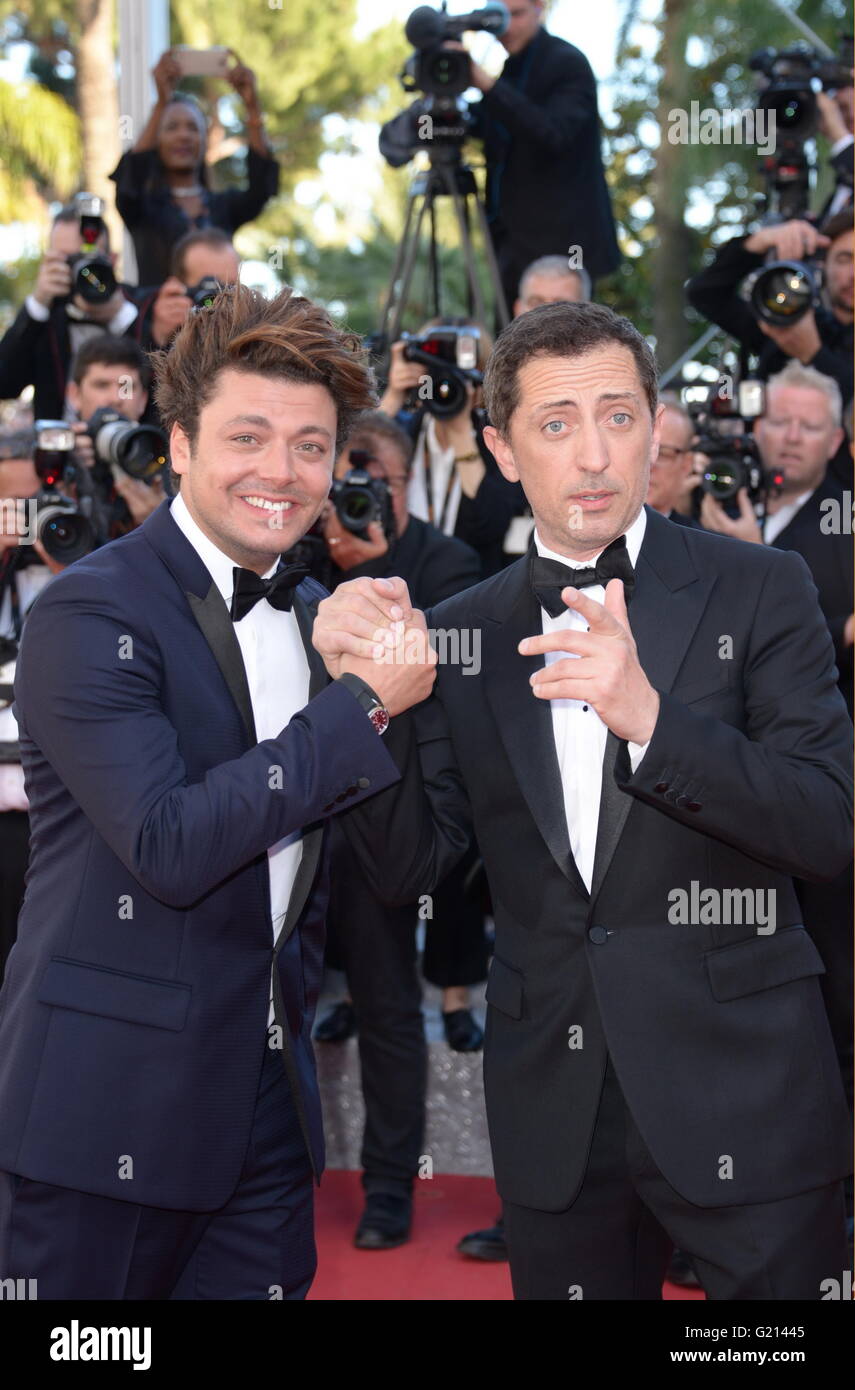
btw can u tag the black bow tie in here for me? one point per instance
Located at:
(549, 577)
(278, 589)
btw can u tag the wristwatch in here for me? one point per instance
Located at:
(369, 700)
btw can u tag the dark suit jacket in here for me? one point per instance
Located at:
(718, 1033)
(134, 1009)
(435, 566)
(546, 189)
(828, 554)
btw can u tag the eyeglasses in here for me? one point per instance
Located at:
(669, 452)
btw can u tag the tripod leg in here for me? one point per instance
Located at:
(492, 266)
(466, 244)
(409, 260)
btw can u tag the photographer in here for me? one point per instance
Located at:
(112, 374)
(55, 321)
(162, 184)
(822, 337)
(24, 572)
(375, 944)
(540, 125)
(673, 479)
(836, 112)
(454, 482)
(200, 256)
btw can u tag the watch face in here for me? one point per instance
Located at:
(380, 719)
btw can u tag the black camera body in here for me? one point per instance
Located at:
(724, 433)
(205, 292)
(790, 94)
(439, 71)
(62, 528)
(92, 274)
(450, 355)
(140, 450)
(360, 500)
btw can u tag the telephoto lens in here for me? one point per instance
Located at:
(141, 450)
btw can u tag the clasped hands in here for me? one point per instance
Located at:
(370, 628)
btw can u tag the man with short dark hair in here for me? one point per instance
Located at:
(654, 744)
(202, 254)
(183, 748)
(54, 322)
(672, 478)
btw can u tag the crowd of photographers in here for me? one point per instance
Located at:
(417, 493)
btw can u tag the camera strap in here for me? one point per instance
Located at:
(439, 521)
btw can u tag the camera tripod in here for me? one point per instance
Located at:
(447, 176)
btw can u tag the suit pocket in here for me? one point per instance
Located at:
(505, 988)
(95, 989)
(762, 963)
(692, 691)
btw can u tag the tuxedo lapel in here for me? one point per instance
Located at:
(219, 631)
(664, 612)
(306, 610)
(525, 723)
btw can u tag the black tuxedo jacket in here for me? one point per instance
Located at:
(828, 555)
(717, 1032)
(546, 189)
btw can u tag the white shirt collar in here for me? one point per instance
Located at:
(219, 565)
(634, 536)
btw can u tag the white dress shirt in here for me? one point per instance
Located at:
(579, 732)
(444, 481)
(277, 673)
(773, 525)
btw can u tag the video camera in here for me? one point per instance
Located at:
(442, 75)
(92, 274)
(724, 433)
(62, 528)
(451, 357)
(790, 97)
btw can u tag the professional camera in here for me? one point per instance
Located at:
(205, 292)
(451, 357)
(141, 450)
(442, 120)
(790, 96)
(439, 71)
(92, 274)
(782, 292)
(360, 499)
(724, 434)
(63, 530)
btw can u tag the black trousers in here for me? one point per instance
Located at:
(615, 1240)
(375, 946)
(260, 1246)
(14, 857)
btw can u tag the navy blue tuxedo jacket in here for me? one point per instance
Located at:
(135, 1003)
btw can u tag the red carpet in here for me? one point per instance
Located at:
(428, 1267)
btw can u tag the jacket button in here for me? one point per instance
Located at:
(694, 806)
(682, 802)
(662, 787)
(363, 784)
(329, 808)
(598, 935)
(351, 791)
(342, 796)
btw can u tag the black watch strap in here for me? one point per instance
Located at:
(368, 699)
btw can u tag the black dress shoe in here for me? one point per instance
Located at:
(485, 1245)
(385, 1222)
(339, 1024)
(680, 1271)
(461, 1031)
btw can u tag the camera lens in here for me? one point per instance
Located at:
(782, 293)
(66, 535)
(722, 479)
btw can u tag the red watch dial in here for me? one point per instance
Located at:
(380, 719)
